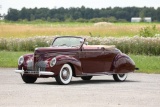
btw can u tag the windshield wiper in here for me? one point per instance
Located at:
(75, 46)
(63, 45)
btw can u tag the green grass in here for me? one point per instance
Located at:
(146, 64)
(46, 24)
(10, 59)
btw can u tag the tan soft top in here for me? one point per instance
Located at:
(106, 47)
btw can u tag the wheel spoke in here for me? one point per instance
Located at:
(65, 74)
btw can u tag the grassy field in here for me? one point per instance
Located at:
(17, 31)
(24, 30)
(147, 64)
(9, 59)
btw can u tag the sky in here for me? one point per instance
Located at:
(19, 4)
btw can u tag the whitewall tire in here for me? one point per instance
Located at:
(65, 75)
(120, 77)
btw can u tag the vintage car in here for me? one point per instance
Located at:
(72, 56)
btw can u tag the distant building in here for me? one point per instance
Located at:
(1, 17)
(138, 19)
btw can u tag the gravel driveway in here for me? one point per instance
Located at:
(140, 90)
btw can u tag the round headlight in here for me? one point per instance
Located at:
(20, 60)
(52, 62)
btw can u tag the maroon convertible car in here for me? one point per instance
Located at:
(72, 56)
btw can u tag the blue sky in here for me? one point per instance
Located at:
(18, 4)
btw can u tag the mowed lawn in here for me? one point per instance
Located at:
(24, 30)
(10, 59)
(146, 64)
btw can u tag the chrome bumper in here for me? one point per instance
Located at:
(39, 73)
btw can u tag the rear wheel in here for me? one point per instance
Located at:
(120, 77)
(86, 78)
(65, 75)
(28, 79)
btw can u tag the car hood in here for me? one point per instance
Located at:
(54, 49)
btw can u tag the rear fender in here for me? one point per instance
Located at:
(123, 64)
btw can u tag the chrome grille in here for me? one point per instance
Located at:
(30, 65)
(40, 66)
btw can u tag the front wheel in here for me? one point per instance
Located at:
(119, 77)
(65, 75)
(28, 79)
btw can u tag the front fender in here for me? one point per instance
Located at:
(123, 64)
(28, 62)
(72, 61)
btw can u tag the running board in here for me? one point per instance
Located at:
(96, 74)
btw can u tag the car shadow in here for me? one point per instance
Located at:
(97, 82)
(82, 82)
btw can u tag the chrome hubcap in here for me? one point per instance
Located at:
(65, 74)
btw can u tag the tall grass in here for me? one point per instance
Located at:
(132, 45)
(24, 44)
(48, 29)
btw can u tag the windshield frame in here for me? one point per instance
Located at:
(80, 46)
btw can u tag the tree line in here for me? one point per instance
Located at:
(83, 14)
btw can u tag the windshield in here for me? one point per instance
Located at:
(68, 42)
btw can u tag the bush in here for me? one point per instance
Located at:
(122, 20)
(81, 20)
(148, 31)
(95, 20)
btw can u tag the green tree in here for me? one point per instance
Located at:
(158, 14)
(70, 14)
(13, 14)
(142, 14)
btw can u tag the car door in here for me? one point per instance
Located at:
(92, 60)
